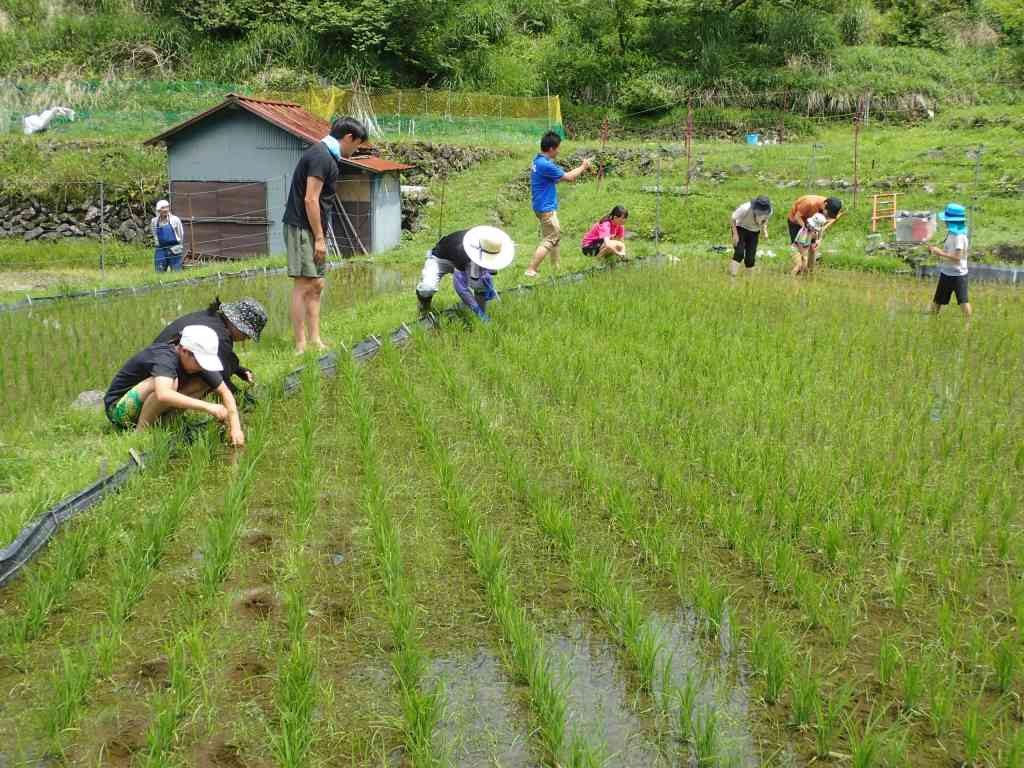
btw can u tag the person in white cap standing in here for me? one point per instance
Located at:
(471, 257)
(168, 236)
(151, 383)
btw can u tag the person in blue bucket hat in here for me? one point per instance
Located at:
(953, 260)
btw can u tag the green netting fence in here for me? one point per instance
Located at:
(140, 108)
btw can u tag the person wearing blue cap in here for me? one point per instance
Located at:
(953, 264)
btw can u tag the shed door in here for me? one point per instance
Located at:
(222, 219)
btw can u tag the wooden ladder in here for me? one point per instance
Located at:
(883, 208)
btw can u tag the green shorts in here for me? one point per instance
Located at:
(125, 412)
(298, 242)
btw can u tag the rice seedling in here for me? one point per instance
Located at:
(421, 707)
(770, 656)
(805, 685)
(829, 716)
(706, 739)
(889, 659)
(686, 700)
(1006, 659)
(912, 685)
(974, 732)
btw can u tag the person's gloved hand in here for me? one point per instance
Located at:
(484, 317)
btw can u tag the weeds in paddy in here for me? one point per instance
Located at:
(421, 708)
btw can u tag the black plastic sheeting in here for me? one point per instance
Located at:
(35, 535)
(134, 290)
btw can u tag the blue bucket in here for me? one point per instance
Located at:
(753, 138)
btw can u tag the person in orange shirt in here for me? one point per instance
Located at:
(807, 206)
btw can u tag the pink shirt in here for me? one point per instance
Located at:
(603, 230)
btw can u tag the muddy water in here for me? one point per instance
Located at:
(482, 724)
(599, 707)
(721, 682)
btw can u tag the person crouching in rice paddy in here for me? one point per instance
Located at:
(807, 206)
(606, 239)
(748, 222)
(157, 380)
(953, 264)
(471, 257)
(236, 321)
(806, 243)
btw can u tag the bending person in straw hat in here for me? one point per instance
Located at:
(471, 257)
(236, 321)
(953, 267)
(168, 235)
(153, 381)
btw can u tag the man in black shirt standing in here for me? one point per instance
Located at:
(310, 202)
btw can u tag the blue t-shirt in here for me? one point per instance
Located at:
(544, 176)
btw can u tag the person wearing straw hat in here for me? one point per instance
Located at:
(953, 264)
(471, 257)
(168, 235)
(748, 222)
(151, 383)
(235, 321)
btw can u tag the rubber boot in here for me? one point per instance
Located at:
(424, 304)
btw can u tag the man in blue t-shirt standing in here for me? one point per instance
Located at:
(545, 173)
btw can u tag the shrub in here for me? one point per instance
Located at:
(648, 93)
(800, 31)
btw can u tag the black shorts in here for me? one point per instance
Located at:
(794, 230)
(746, 247)
(948, 285)
(593, 248)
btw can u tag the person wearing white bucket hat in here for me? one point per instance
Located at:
(168, 235)
(152, 382)
(471, 257)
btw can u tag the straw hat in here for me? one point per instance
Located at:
(489, 247)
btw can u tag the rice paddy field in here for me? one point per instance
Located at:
(658, 517)
(655, 517)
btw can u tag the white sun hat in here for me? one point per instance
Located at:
(162, 204)
(202, 342)
(817, 221)
(489, 247)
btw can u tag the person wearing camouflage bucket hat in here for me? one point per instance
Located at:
(247, 315)
(236, 321)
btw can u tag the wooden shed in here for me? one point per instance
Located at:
(230, 169)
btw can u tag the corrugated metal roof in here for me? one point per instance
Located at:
(289, 117)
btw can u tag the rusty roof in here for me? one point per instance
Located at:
(287, 116)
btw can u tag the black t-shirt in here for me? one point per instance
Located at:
(155, 360)
(225, 349)
(315, 161)
(450, 248)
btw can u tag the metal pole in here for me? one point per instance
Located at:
(103, 205)
(657, 212)
(440, 211)
(974, 194)
(604, 145)
(689, 142)
(547, 91)
(856, 146)
(811, 165)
